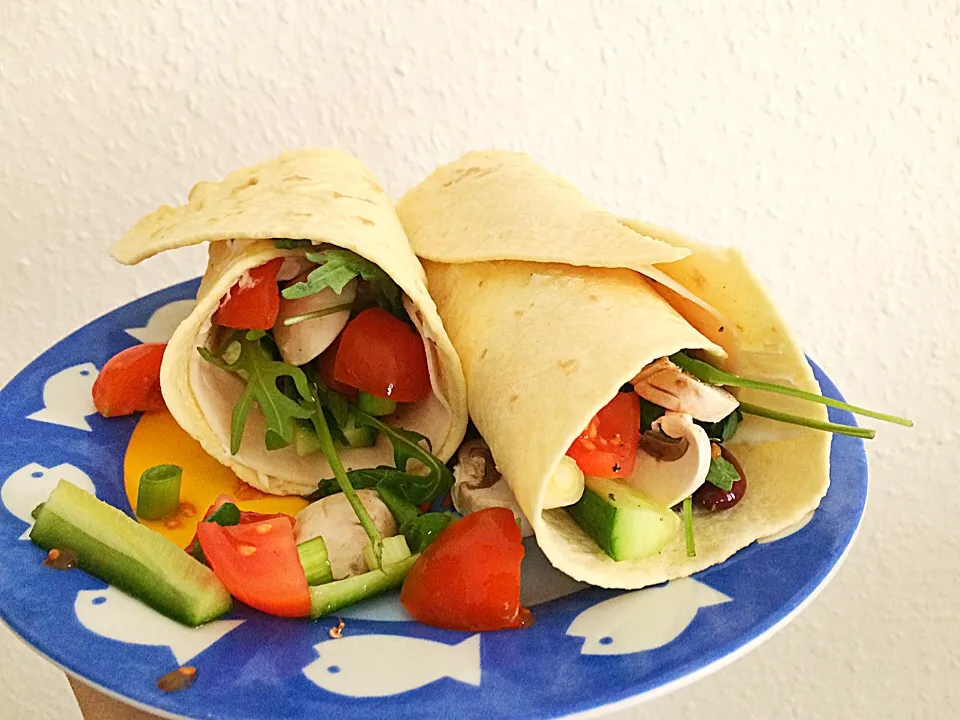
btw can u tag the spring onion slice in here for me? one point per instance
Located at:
(713, 376)
(851, 430)
(316, 563)
(159, 492)
(688, 526)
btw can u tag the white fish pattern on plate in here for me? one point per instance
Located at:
(643, 619)
(383, 665)
(68, 397)
(32, 484)
(164, 321)
(115, 615)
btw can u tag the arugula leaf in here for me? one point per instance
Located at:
(291, 244)
(724, 429)
(722, 474)
(256, 365)
(406, 447)
(410, 487)
(423, 530)
(414, 489)
(319, 419)
(714, 376)
(648, 413)
(337, 267)
(420, 530)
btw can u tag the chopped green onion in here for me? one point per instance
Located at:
(159, 492)
(851, 430)
(395, 549)
(713, 376)
(688, 526)
(330, 451)
(318, 314)
(315, 561)
(373, 405)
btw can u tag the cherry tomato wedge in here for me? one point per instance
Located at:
(253, 303)
(130, 382)
(608, 447)
(246, 516)
(259, 565)
(324, 365)
(383, 356)
(469, 578)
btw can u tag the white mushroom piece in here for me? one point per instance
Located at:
(334, 520)
(479, 484)
(673, 460)
(303, 341)
(664, 384)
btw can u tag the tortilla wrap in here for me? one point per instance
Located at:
(544, 346)
(325, 196)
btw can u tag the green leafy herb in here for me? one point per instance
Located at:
(722, 430)
(722, 474)
(852, 430)
(261, 372)
(688, 526)
(648, 413)
(291, 244)
(226, 515)
(319, 419)
(713, 376)
(422, 531)
(419, 529)
(337, 267)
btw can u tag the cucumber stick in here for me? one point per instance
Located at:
(326, 599)
(129, 556)
(622, 521)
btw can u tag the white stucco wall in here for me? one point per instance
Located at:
(821, 138)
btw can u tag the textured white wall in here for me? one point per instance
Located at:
(821, 139)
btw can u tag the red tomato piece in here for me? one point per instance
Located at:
(130, 382)
(324, 365)
(253, 303)
(246, 516)
(469, 578)
(608, 447)
(383, 356)
(259, 565)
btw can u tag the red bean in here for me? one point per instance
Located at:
(710, 497)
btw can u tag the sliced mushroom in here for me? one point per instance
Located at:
(302, 342)
(663, 383)
(668, 482)
(479, 485)
(334, 520)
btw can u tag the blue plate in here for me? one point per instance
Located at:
(589, 648)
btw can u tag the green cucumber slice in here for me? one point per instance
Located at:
(129, 556)
(326, 599)
(622, 521)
